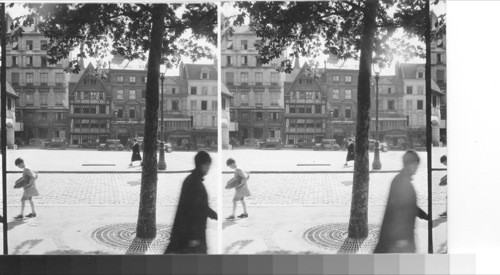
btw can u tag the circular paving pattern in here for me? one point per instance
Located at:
(121, 236)
(334, 237)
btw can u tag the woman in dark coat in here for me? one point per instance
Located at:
(190, 223)
(350, 152)
(397, 233)
(136, 153)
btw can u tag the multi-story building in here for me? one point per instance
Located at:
(202, 96)
(13, 125)
(438, 74)
(226, 98)
(42, 87)
(392, 121)
(414, 99)
(90, 109)
(177, 121)
(257, 88)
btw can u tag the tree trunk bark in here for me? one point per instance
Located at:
(146, 222)
(358, 222)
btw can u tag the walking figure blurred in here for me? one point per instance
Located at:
(444, 182)
(397, 233)
(27, 182)
(190, 223)
(136, 153)
(350, 152)
(239, 183)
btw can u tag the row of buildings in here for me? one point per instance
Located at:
(298, 107)
(93, 105)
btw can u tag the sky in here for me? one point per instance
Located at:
(18, 10)
(229, 10)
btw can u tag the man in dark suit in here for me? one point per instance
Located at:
(397, 233)
(188, 233)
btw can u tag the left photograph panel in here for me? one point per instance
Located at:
(111, 134)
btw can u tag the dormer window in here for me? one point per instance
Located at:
(204, 74)
(420, 73)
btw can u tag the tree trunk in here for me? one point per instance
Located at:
(146, 223)
(358, 222)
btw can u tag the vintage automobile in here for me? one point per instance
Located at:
(111, 144)
(36, 142)
(89, 144)
(55, 143)
(382, 145)
(305, 144)
(168, 146)
(250, 142)
(327, 144)
(270, 143)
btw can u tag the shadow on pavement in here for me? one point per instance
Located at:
(443, 248)
(438, 221)
(134, 182)
(26, 246)
(13, 224)
(347, 183)
(227, 224)
(238, 245)
(75, 252)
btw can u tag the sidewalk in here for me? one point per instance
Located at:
(90, 230)
(313, 230)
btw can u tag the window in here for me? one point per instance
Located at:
(119, 94)
(229, 60)
(348, 94)
(390, 105)
(214, 105)
(335, 111)
(174, 91)
(336, 78)
(409, 104)
(204, 90)
(274, 116)
(244, 78)
(29, 78)
(29, 45)
(389, 90)
(29, 61)
(15, 46)
(59, 78)
(409, 90)
(14, 61)
(131, 112)
(275, 98)
(43, 116)
(258, 77)
(214, 90)
(336, 94)
(274, 78)
(244, 44)
(131, 94)
(119, 112)
(193, 90)
(193, 105)
(258, 116)
(175, 105)
(259, 98)
(15, 78)
(144, 79)
(43, 98)
(143, 92)
(102, 109)
(244, 60)
(420, 90)
(229, 45)
(317, 109)
(44, 45)
(244, 98)
(292, 109)
(59, 98)
(204, 75)
(420, 74)
(348, 111)
(9, 103)
(439, 58)
(224, 106)
(30, 98)
(44, 78)
(203, 105)
(434, 101)
(132, 79)
(44, 61)
(420, 104)
(440, 76)
(229, 78)
(119, 79)
(348, 79)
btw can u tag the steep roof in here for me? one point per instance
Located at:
(193, 71)
(10, 91)
(409, 70)
(225, 91)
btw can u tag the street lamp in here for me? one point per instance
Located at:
(115, 119)
(162, 165)
(376, 165)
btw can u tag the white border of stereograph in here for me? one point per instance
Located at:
(219, 131)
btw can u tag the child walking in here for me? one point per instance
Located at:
(241, 190)
(30, 190)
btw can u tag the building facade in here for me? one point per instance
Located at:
(226, 98)
(257, 88)
(438, 74)
(12, 123)
(201, 80)
(42, 87)
(90, 109)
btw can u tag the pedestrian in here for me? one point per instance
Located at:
(397, 231)
(188, 232)
(129, 144)
(136, 153)
(350, 152)
(240, 189)
(444, 182)
(29, 191)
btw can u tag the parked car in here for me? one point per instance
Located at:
(111, 144)
(250, 142)
(36, 142)
(382, 145)
(168, 146)
(55, 143)
(89, 144)
(305, 144)
(270, 143)
(327, 144)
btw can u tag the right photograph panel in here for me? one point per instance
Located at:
(324, 128)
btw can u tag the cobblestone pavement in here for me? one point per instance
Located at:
(104, 189)
(327, 189)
